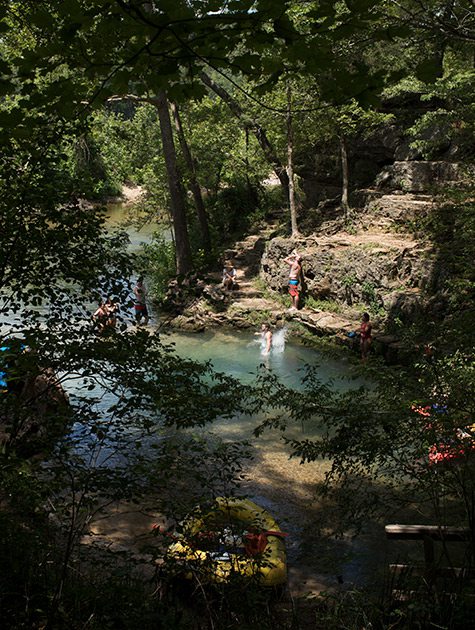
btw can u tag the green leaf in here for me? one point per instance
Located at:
(428, 70)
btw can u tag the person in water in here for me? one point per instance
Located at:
(365, 336)
(111, 309)
(140, 306)
(266, 334)
(100, 317)
(295, 273)
(229, 276)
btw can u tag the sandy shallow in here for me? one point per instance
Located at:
(316, 562)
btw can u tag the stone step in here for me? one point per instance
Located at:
(238, 294)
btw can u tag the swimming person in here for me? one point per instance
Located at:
(266, 336)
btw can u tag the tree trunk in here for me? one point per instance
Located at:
(177, 200)
(253, 126)
(195, 188)
(345, 176)
(290, 165)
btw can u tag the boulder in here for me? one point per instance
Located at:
(35, 412)
(350, 268)
(419, 176)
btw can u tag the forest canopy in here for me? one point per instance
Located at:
(200, 103)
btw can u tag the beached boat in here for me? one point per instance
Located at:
(235, 538)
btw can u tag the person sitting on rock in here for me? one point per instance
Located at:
(229, 276)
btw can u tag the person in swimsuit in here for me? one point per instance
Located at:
(140, 306)
(295, 263)
(100, 317)
(111, 309)
(365, 336)
(266, 338)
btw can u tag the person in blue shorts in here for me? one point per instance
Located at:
(295, 272)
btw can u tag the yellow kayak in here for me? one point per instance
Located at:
(235, 538)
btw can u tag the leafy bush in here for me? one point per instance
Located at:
(158, 258)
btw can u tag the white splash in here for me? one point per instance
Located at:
(278, 340)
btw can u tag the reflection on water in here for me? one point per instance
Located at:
(140, 233)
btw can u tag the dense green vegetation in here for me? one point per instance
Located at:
(198, 103)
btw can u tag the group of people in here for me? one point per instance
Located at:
(294, 261)
(106, 314)
(105, 317)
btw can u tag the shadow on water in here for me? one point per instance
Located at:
(316, 560)
(140, 232)
(278, 482)
(274, 480)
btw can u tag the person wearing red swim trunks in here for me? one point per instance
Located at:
(140, 305)
(295, 263)
(365, 336)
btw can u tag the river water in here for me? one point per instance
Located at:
(278, 482)
(274, 480)
(139, 232)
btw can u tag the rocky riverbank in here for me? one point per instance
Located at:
(380, 259)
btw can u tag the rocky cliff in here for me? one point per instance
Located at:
(393, 257)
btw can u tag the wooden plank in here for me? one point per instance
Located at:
(420, 571)
(433, 532)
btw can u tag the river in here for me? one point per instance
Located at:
(282, 484)
(273, 479)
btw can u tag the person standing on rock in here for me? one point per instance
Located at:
(140, 305)
(100, 317)
(295, 274)
(365, 336)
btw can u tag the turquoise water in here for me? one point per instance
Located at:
(241, 355)
(276, 481)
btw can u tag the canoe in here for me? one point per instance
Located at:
(236, 538)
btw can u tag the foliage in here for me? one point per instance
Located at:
(379, 443)
(452, 119)
(129, 393)
(124, 389)
(330, 306)
(158, 259)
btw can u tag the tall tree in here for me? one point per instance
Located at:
(290, 164)
(182, 243)
(254, 127)
(194, 184)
